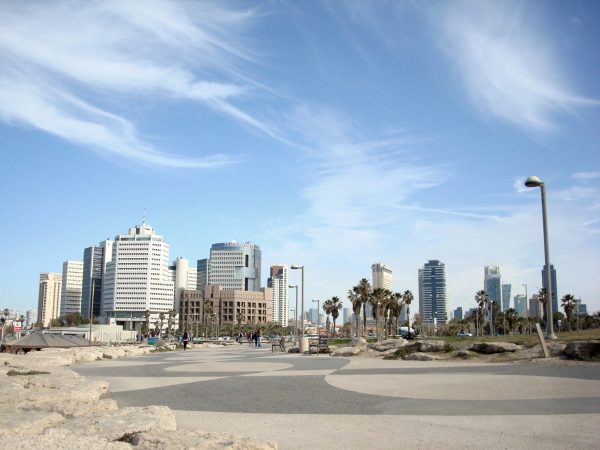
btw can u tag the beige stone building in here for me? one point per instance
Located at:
(49, 297)
(252, 307)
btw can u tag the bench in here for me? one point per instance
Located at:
(321, 345)
(278, 344)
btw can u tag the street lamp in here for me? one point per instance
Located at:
(536, 182)
(301, 348)
(318, 317)
(295, 286)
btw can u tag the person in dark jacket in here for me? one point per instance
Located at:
(185, 339)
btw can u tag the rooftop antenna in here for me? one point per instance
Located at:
(144, 216)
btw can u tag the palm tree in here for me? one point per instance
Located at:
(336, 307)
(481, 298)
(161, 318)
(170, 321)
(408, 298)
(363, 289)
(378, 299)
(396, 303)
(511, 318)
(239, 317)
(327, 310)
(356, 303)
(542, 300)
(568, 304)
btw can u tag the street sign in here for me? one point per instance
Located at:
(152, 340)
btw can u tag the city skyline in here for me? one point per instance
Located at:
(332, 136)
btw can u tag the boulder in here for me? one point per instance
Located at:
(156, 440)
(388, 344)
(494, 347)
(58, 438)
(113, 352)
(583, 349)
(556, 348)
(359, 342)
(346, 351)
(464, 354)
(16, 423)
(118, 425)
(421, 357)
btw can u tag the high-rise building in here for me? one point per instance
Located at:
(534, 307)
(235, 266)
(70, 297)
(184, 277)
(554, 286)
(458, 313)
(520, 305)
(433, 296)
(137, 278)
(491, 284)
(347, 315)
(202, 267)
(30, 317)
(382, 276)
(506, 289)
(95, 259)
(278, 281)
(49, 297)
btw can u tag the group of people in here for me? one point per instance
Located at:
(252, 337)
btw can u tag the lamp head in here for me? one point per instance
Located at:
(533, 182)
(292, 286)
(296, 266)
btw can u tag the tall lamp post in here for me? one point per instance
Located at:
(318, 317)
(295, 286)
(302, 345)
(536, 182)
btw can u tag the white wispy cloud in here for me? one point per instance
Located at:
(507, 65)
(586, 176)
(68, 68)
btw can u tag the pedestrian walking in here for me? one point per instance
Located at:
(185, 340)
(258, 337)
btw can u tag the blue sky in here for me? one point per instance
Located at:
(332, 134)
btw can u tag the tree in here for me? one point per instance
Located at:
(239, 317)
(511, 317)
(378, 299)
(568, 304)
(364, 293)
(336, 307)
(542, 300)
(481, 298)
(358, 296)
(408, 298)
(327, 310)
(396, 303)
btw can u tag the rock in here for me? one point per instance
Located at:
(556, 348)
(61, 439)
(359, 342)
(464, 354)
(429, 346)
(26, 424)
(346, 351)
(197, 440)
(421, 357)
(117, 425)
(388, 344)
(494, 347)
(113, 352)
(583, 349)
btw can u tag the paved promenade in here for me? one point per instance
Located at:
(304, 402)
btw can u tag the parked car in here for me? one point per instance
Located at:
(464, 334)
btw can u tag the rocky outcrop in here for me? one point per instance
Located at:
(197, 439)
(494, 347)
(47, 405)
(583, 349)
(388, 344)
(359, 342)
(347, 351)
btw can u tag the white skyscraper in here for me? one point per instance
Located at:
(49, 297)
(72, 278)
(382, 276)
(279, 282)
(433, 296)
(137, 279)
(184, 277)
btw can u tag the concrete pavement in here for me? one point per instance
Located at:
(314, 401)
